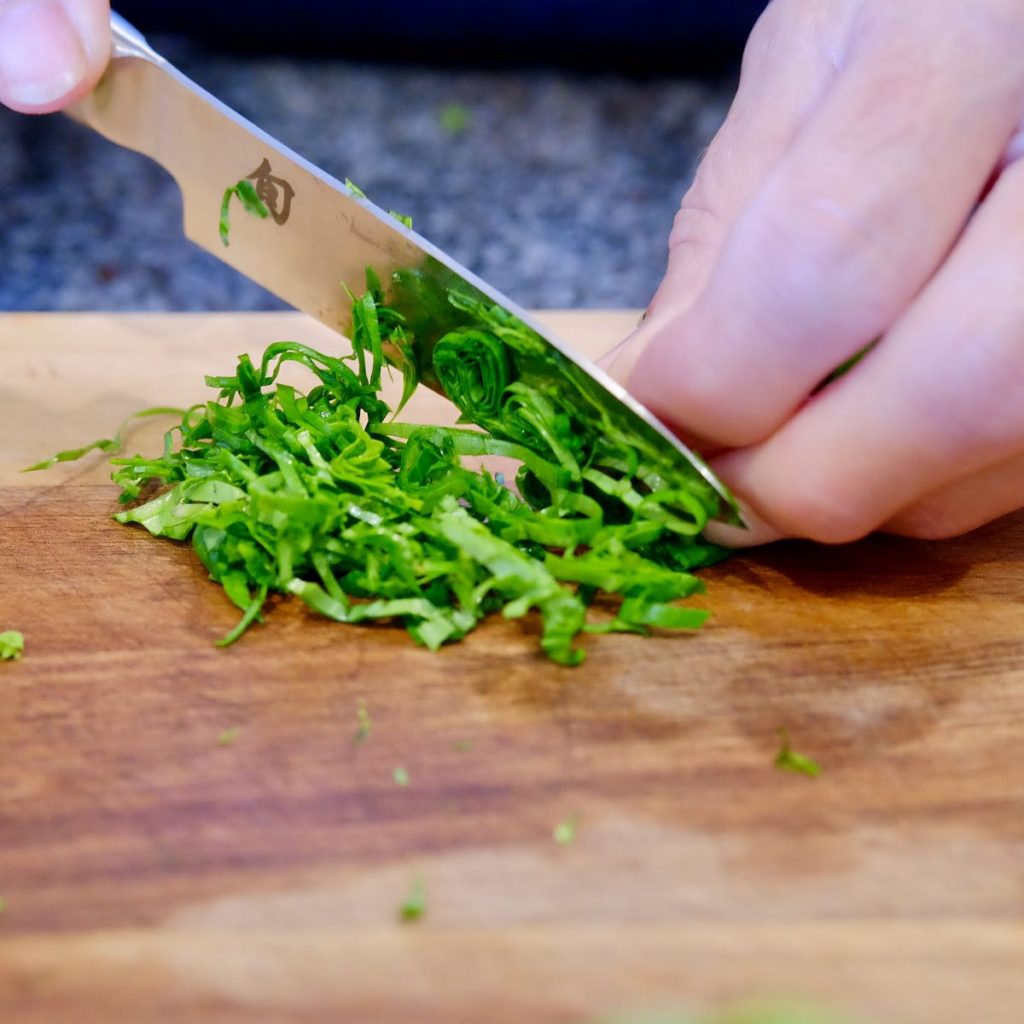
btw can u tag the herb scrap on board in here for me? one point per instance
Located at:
(12, 645)
(788, 760)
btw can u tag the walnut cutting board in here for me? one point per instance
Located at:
(153, 874)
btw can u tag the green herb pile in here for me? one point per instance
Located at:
(323, 495)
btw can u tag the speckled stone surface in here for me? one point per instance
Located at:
(560, 191)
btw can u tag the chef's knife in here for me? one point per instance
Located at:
(320, 234)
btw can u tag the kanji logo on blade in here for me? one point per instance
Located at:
(275, 192)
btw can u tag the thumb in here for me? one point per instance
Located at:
(52, 52)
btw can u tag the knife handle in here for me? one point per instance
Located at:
(132, 114)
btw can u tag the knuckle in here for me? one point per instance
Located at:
(697, 400)
(974, 401)
(929, 521)
(696, 222)
(818, 510)
(820, 252)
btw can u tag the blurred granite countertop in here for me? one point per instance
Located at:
(559, 189)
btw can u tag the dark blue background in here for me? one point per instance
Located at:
(639, 35)
(560, 189)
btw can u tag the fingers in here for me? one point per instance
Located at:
(965, 504)
(952, 510)
(786, 69)
(940, 400)
(755, 531)
(785, 72)
(51, 51)
(846, 229)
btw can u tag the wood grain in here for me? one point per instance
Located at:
(153, 874)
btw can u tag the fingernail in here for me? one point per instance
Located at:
(41, 56)
(757, 531)
(618, 362)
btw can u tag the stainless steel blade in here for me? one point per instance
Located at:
(322, 235)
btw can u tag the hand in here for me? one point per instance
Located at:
(51, 51)
(864, 186)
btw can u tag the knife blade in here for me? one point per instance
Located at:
(321, 235)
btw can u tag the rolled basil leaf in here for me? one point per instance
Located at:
(473, 369)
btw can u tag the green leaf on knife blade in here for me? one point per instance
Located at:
(245, 192)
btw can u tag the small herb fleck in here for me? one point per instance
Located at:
(3, 904)
(462, 746)
(12, 645)
(365, 723)
(565, 831)
(789, 760)
(354, 189)
(455, 119)
(228, 736)
(414, 906)
(401, 777)
(360, 194)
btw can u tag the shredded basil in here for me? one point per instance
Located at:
(323, 495)
(110, 445)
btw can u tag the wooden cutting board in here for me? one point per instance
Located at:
(153, 874)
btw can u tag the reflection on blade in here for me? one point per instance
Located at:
(506, 378)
